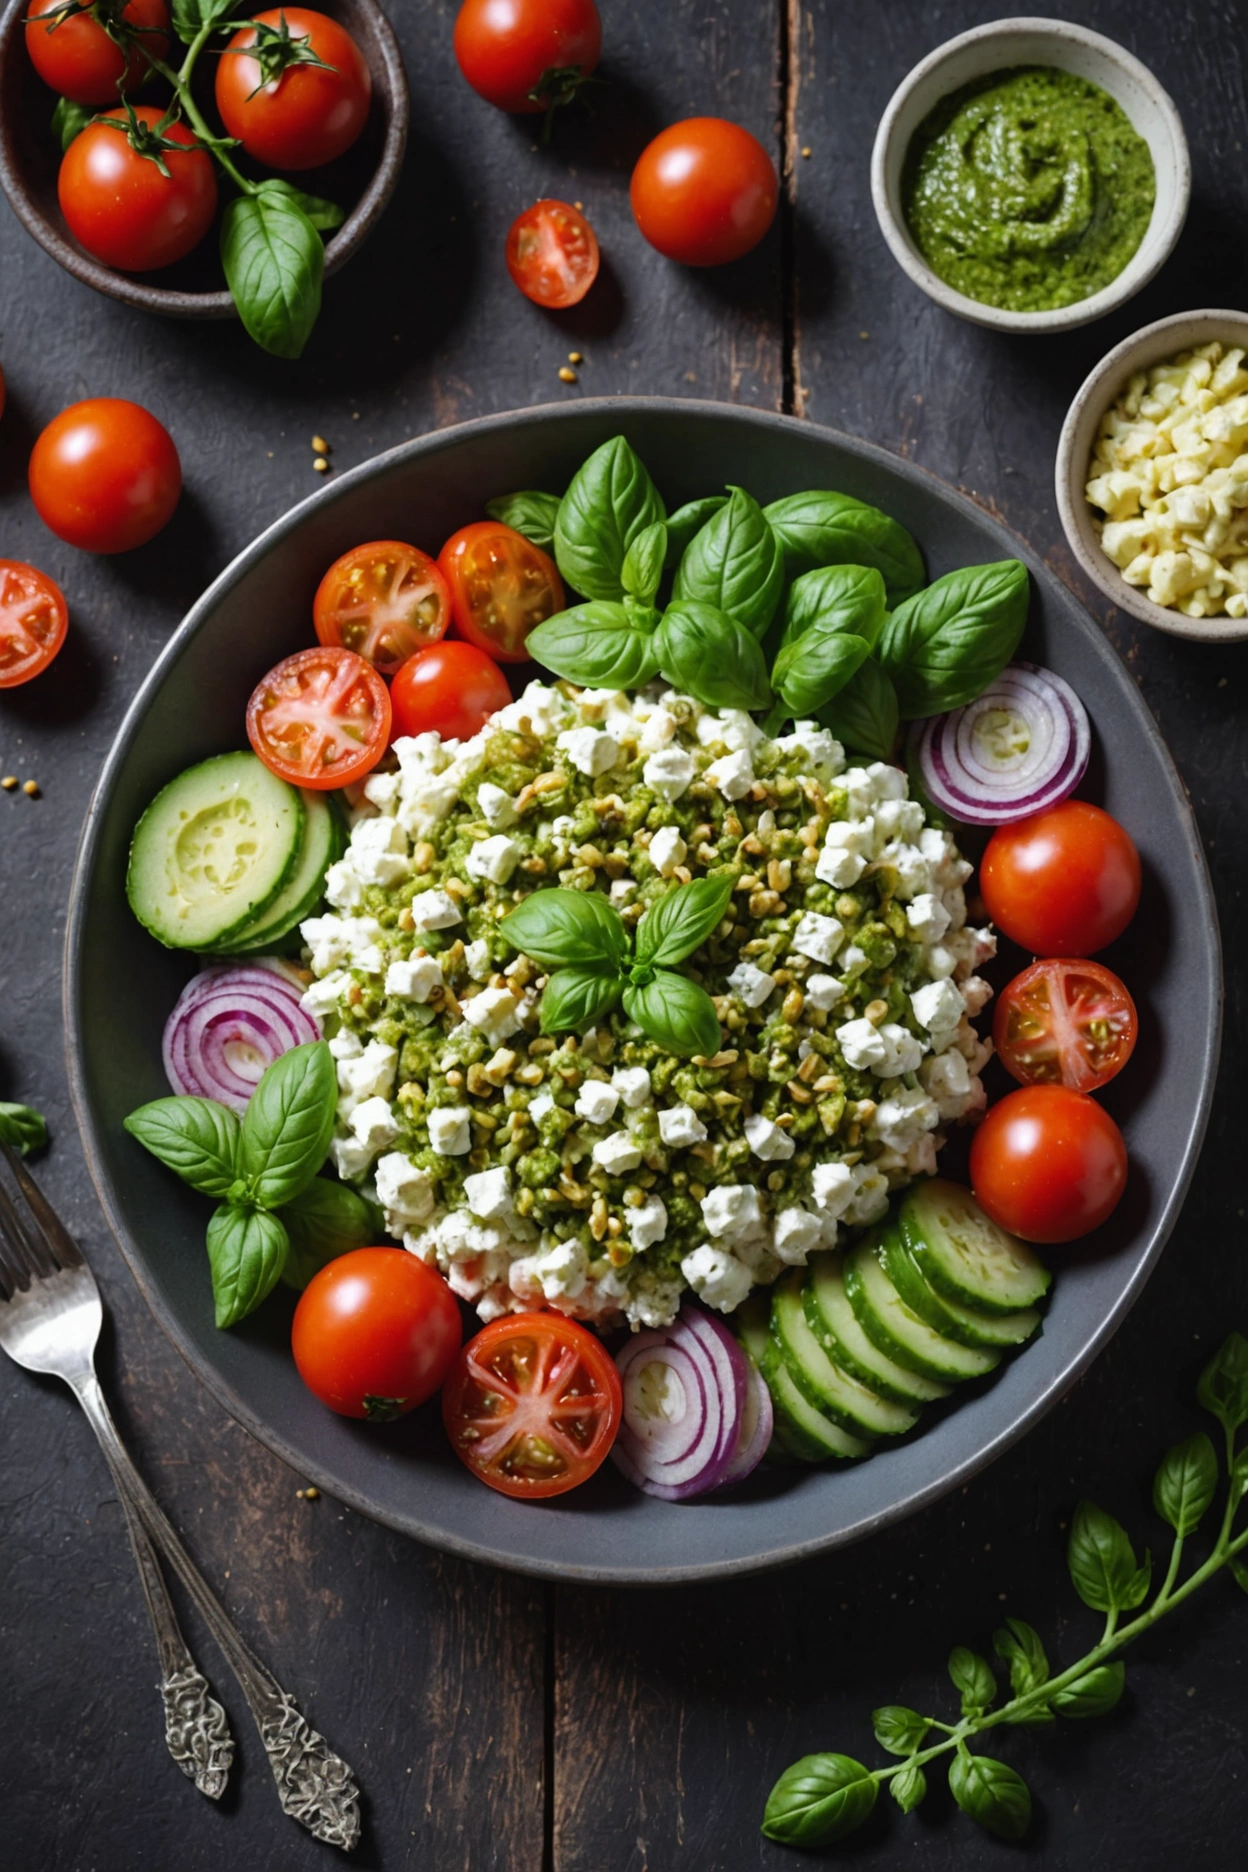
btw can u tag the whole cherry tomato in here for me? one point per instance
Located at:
(76, 55)
(1064, 882)
(104, 475)
(704, 192)
(1048, 1164)
(451, 688)
(33, 622)
(375, 1333)
(321, 718)
(502, 587)
(527, 55)
(552, 254)
(117, 199)
(294, 88)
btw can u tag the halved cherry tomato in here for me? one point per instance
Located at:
(527, 55)
(105, 475)
(704, 192)
(502, 587)
(552, 254)
(1063, 882)
(375, 1333)
(450, 689)
(294, 88)
(135, 211)
(33, 622)
(320, 719)
(73, 53)
(1048, 1164)
(533, 1405)
(1068, 1023)
(385, 601)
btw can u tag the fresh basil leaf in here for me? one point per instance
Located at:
(324, 215)
(196, 1137)
(1185, 1483)
(643, 564)
(578, 995)
(69, 120)
(824, 529)
(1102, 1562)
(908, 1788)
(676, 1013)
(734, 563)
(1093, 1695)
(711, 657)
(1239, 1571)
(1239, 1478)
(945, 645)
(288, 1124)
(274, 261)
(323, 1221)
(817, 667)
(602, 645)
(847, 598)
(23, 1129)
(991, 1793)
(680, 920)
(819, 1799)
(898, 1729)
(558, 926)
(528, 512)
(1223, 1385)
(610, 500)
(191, 16)
(686, 521)
(863, 715)
(973, 1676)
(1020, 1646)
(247, 1249)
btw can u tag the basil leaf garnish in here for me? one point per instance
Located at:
(559, 926)
(69, 120)
(973, 1676)
(643, 564)
(1102, 1562)
(323, 1221)
(274, 261)
(602, 645)
(711, 657)
(247, 1250)
(991, 1793)
(191, 16)
(688, 520)
(288, 1124)
(1223, 1385)
(945, 645)
(735, 563)
(898, 1729)
(22, 1128)
(824, 529)
(681, 920)
(847, 598)
(909, 1787)
(528, 512)
(675, 1012)
(324, 215)
(1094, 1694)
(578, 995)
(819, 1799)
(196, 1137)
(1185, 1483)
(1020, 1645)
(863, 715)
(610, 500)
(810, 671)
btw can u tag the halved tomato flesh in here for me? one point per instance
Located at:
(502, 587)
(385, 601)
(321, 718)
(33, 622)
(1064, 1022)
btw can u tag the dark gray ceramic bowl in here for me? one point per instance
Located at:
(120, 986)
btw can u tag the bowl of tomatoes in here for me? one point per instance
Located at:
(154, 173)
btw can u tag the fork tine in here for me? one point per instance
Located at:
(18, 1264)
(55, 1237)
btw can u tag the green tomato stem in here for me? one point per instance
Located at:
(774, 721)
(180, 81)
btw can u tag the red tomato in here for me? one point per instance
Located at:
(104, 475)
(704, 192)
(552, 254)
(321, 719)
(533, 1405)
(285, 108)
(75, 55)
(452, 689)
(119, 206)
(502, 587)
(527, 55)
(375, 1333)
(1065, 1023)
(1048, 1164)
(385, 601)
(1064, 882)
(33, 622)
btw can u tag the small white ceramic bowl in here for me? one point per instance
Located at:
(1143, 348)
(997, 47)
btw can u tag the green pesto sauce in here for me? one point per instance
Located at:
(1028, 189)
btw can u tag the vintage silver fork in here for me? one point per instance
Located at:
(50, 1318)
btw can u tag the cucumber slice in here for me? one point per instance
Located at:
(854, 1406)
(831, 1319)
(886, 1319)
(950, 1317)
(213, 850)
(802, 1429)
(964, 1256)
(324, 840)
(750, 1324)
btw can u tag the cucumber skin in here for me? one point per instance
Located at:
(929, 1264)
(840, 1411)
(877, 1329)
(915, 1292)
(790, 1432)
(840, 1354)
(283, 933)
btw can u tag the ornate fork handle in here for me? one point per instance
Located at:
(314, 1785)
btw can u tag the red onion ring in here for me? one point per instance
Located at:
(228, 1026)
(980, 783)
(731, 1364)
(677, 1457)
(757, 1424)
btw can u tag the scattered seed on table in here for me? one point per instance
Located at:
(321, 465)
(320, 446)
(806, 150)
(355, 415)
(575, 357)
(31, 789)
(311, 1494)
(567, 375)
(9, 783)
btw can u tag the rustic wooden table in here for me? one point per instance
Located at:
(496, 1723)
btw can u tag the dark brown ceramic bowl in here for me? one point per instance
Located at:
(363, 180)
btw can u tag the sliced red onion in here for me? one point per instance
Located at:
(757, 1424)
(1021, 746)
(229, 1025)
(731, 1364)
(685, 1389)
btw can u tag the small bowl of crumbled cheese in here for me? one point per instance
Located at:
(1152, 475)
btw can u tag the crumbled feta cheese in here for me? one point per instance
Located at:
(372, 1124)
(732, 1209)
(433, 910)
(382, 790)
(379, 853)
(494, 859)
(617, 1153)
(478, 959)
(669, 771)
(832, 1187)
(367, 1074)
(667, 850)
(976, 994)
(592, 751)
(323, 996)
(346, 1045)
(540, 708)
(903, 1050)
(753, 985)
(738, 731)
(404, 1192)
(797, 1231)
(633, 1085)
(493, 1012)
(898, 818)
(817, 936)
(862, 1044)
(823, 992)
(541, 1107)
(927, 917)
(498, 809)
(488, 1193)
(350, 1158)
(562, 1269)
(846, 849)
(971, 947)
(449, 1131)
(767, 1140)
(904, 1116)
(717, 1277)
(821, 752)
(659, 731)
(870, 1196)
(597, 1101)
(914, 874)
(733, 774)
(415, 978)
(680, 1125)
(344, 887)
(622, 891)
(949, 1080)
(647, 1223)
(937, 1006)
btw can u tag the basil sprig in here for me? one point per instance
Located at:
(602, 646)
(610, 500)
(831, 622)
(945, 645)
(528, 512)
(735, 563)
(823, 1797)
(274, 261)
(263, 1164)
(596, 964)
(22, 1128)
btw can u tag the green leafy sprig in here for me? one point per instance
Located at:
(595, 964)
(22, 1128)
(824, 1797)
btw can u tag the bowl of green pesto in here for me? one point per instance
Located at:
(1031, 175)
